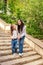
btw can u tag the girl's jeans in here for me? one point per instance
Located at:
(14, 42)
(21, 41)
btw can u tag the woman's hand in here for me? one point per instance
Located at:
(19, 36)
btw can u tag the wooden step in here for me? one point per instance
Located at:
(5, 52)
(5, 38)
(27, 49)
(9, 47)
(12, 57)
(5, 44)
(8, 44)
(5, 35)
(5, 47)
(3, 32)
(35, 44)
(8, 52)
(3, 41)
(22, 60)
(37, 62)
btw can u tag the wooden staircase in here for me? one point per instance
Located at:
(29, 57)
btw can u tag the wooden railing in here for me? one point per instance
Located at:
(36, 44)
(4, 26)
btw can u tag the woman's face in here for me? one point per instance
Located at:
(19, 22)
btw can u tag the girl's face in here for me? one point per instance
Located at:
(19, 22)
(14, 27)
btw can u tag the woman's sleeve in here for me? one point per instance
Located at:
(23, 32)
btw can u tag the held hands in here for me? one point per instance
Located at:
(19, 36)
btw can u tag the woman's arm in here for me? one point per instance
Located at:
(23, 32)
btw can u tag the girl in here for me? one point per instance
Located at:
(14, 38)
(21, 35)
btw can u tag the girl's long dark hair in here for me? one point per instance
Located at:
(20, 27)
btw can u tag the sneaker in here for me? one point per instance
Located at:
(20, 54)
(14, 54)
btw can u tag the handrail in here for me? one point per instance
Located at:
(36, 41)
(4, 25)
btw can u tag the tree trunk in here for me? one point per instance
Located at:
(5, 6)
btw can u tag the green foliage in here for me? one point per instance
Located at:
(1, 4)
(7, 19)
(30, 11)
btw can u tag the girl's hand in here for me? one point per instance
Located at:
(11, 37)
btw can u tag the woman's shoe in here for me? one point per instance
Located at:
(20, 54)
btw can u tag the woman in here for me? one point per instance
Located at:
(21, 35)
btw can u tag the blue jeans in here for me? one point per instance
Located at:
(14, 42)
(21, 42)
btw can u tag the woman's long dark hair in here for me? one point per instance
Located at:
(20, 27)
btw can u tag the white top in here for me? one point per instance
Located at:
(23, 33)
(14, 36)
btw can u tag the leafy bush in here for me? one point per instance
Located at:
(7, 19)
(30, 11)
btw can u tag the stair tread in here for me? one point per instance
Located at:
(9, 51)
(3, 58)
(21, 60)
(4, 35)
(9, 47)
(37, 62)
(9, 44)
(4, 44)
(3, 47)
(5, 40)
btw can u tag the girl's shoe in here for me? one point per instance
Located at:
(14, 54)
